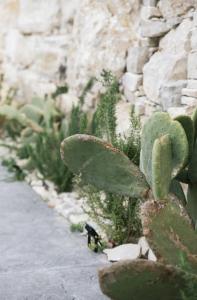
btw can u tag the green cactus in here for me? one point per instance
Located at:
(192, 202)
(161, 173)
(142, 279)
(102, 165)
(158, 125)
(167, 157)
(188, 126)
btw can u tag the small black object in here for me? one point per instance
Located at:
(93, 234)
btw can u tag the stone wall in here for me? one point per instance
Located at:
(150, 45)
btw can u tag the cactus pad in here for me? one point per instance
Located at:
(142, 279)
(158, 125)
(192, 202)
(161, 167)
(102, 165)
(192, 169)
(170, 233)
(188, 125)
(176, 189)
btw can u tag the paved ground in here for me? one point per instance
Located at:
(39, 257)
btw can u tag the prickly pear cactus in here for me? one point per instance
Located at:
(168, 157)
(142, 279)
(157, 126)
(102, 165)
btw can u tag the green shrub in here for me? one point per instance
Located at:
(76, 227)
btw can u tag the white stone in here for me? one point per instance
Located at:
(171, 8)
(151, 255)
(123, 114)
(38, 16)
(137, 57)
(171, 93)
(102, 32)
(153, 28)
(195, 19)
(66, 102)
(19, 50)
(131, 81)
(126, 251)
(194, 38)
(169, 64)
(189, 92)
(192, 84)
(139, 107)
(181, 110)
(149, 2)
(145, 249)
(129, 96)
(149, 12)
(68, 10)
(192, 65)
(191, 101)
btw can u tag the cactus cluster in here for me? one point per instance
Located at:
(168, 159)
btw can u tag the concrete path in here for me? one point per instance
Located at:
(39, 257)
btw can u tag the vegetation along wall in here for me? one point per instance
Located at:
(150, 45)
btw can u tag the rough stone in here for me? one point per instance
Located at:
(123, 114)
(189, 92)
(171, 8)
(194, 38)
(181, 110)
(154, 28)
(38, 16)
(171, 93)
(106, 44)
(137, 57)
(149, 12)
(131, 81)
(192, 84)
(150, 2)
(140, 106)
(171, 59)
(192, 65)
(191, 101)
(122, 252)
(66, 102)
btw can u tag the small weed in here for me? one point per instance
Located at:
(12, 166)
(77, 227)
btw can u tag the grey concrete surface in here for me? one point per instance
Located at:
(39, 257)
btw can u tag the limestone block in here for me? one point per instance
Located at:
(181, 110)
(131, 81)
(9, 10)
(191, 101)
(67, 101)
(137, 57)
(189, 92)
(122, 252)
(171, 93)
(153, 28)
(168, 64)
(102, 34)
(38, 16)
(195, 19)
(48, 58)
(171, 8)
(192, 84)
(19, 50)
(192, 65)
(150, 2)
(68, 10)
(129, 96)
(123, 114)
(140, 106)
(149, 12)
(32, 84)
(194, 38)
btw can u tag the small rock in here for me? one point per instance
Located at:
(192, 65)
(154, 28)
(145, 248)
(189, 92)
(137, 57)
(181, 110)
(192, 84)
(148, 12)
(191, 101)
(76, 219)
(127, 251)
(131, 81)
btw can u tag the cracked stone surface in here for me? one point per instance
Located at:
(40, 258)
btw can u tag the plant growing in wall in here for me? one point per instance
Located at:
(168, 157)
